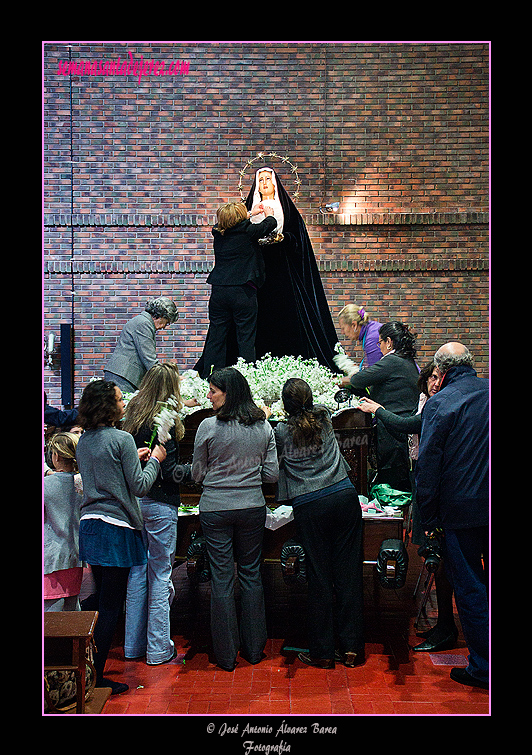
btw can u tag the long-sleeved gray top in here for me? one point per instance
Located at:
(62, 505)
(232, 461)
(112, 475)
(306, 470)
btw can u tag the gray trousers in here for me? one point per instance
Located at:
(236, 536)
(124, 385)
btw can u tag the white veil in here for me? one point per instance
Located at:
(274, 203)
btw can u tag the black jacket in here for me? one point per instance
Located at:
(165, 489)
(237, 255)
(392, 382)
(452, 472)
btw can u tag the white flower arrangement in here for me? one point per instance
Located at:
(343, 362)
(192, 386)
(266, 378)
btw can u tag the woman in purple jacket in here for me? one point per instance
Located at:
(356, 325)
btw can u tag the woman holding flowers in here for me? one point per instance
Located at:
(110, 535)
(152, 415)
(234, 453)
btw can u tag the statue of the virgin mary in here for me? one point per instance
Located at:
(293, 314)
(294, 317)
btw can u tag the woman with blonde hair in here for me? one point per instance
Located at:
(150, 590)
(62, 505)
(356, 325)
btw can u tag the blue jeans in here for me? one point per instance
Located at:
(466, 561)
(150, 591)
(236, 535)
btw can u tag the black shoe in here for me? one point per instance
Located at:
(438, 640)
(461, 676)
(317, 662)
(227, 668)
(253, 663)
(350, 659)
(116, 687)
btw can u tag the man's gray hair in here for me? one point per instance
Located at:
(452, 355)
(162, 306)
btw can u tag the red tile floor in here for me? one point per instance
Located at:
(393, 681)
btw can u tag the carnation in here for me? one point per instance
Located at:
(165, 419)
(266, 378)
(192, 386)
(343, 362)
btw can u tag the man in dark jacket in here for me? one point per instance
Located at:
(452, 482)
(237, 275)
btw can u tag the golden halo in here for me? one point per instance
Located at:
(263, 156)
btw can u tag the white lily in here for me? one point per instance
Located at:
(343, 362)
(165, 420)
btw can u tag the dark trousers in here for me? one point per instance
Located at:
(330, 531)
(111, 589)
(393, 462)
(236, 536)
(466, 562)
(228, 306)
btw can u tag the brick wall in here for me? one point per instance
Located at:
(135, 166)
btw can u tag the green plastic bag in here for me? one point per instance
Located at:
(387, 496)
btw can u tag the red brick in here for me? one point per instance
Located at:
(398, 133)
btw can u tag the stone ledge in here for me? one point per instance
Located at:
(103, 220)
(183, 267)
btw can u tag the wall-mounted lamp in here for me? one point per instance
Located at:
(49, 350)
(330, 207)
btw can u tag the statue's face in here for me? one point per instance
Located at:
(266, 187)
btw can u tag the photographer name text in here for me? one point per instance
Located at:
(250, 746)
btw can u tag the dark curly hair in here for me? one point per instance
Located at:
(98, 405)
(305, 421)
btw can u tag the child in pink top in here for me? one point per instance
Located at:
(62, 504)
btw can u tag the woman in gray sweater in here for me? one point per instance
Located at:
(313, 478)
(110, 538)
(234, 453)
